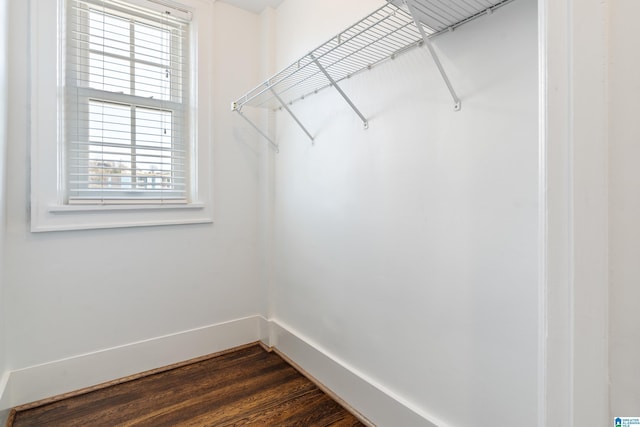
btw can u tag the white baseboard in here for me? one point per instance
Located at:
(373, 401)
(265, 331)
(4, 415)
(78, 372)
(4, 381)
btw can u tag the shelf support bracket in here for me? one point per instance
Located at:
(284, 105)
(253, 125)
(411, 7)
(365, 122)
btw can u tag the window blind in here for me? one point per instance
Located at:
(126, 102)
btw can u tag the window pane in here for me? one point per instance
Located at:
(152, 44)
(154, 148)
(152, 82)
(109, 74)
(110, 145)
(109, 34)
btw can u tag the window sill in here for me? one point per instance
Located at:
(90, 217)
(66, 209)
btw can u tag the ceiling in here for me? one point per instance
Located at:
(256, 6)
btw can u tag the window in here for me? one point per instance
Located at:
(129, 145)
(125, 104)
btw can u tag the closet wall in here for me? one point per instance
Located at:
(408, 251)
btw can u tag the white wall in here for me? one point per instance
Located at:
(3, 144)
(409, 251)
(73, 293)
(624, 209)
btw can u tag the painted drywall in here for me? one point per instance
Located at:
(409, 251)
(73, 293)
(4, 100)
(267, 157)
(624, 210)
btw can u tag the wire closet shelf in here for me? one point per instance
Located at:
(391, 30)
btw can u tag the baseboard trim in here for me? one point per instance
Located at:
(81, 372)
(5, 412)
(368, 400)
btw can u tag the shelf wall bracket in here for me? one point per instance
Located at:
(365, 122)
(253, 125)
(284, 105)
(412, 11)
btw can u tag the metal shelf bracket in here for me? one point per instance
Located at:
(288, 110)
(365, 122)
(234, 107)
(411, 7)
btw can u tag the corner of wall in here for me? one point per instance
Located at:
(266, 165)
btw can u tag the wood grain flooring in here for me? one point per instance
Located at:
(246, 387)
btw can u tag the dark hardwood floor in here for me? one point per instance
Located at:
(249, 386)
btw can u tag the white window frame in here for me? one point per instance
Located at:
(49, 209)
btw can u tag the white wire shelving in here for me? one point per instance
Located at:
(391, 30)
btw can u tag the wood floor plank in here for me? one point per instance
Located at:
(225, 394)
(239, 409)
(314, 408)
(220, 405)
(246, 387)
(125, 401)
(144, 386)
